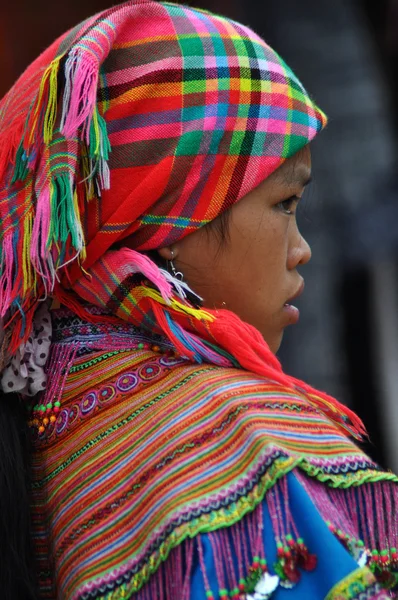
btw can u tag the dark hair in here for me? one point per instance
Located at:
(220, 226)
(17, 576)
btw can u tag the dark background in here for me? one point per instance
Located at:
(345, 52)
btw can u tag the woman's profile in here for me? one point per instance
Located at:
(152, 161)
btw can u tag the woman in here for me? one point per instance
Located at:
(152, 160)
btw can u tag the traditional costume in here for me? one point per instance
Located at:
(173, 457)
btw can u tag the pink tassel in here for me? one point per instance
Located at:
(172, 580)
(368, 512)
(186, 589)
(219, 567)
(177, 334)
(80, 93)
(39, 254)
(61, 360)
(6, 283)
(136, 262)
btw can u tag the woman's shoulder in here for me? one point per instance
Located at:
(239, 382)
(283, 406)
(280, 420)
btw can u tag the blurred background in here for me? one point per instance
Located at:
(346, 54)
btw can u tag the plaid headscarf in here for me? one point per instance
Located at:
(148, 121)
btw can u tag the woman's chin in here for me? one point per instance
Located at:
(274, 341)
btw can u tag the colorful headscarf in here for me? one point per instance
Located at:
(147, 121)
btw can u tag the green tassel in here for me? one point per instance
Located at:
(99, 141)
(21, 170)
(65, 222)
(254, 576)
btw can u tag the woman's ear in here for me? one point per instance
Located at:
(168, 253)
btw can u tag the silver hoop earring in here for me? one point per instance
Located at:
(177, 274)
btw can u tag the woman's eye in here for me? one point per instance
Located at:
(288, 206)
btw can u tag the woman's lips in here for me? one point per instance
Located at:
(292, 311)
(298, 293)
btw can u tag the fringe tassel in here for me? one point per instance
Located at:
(362, 517)
(45, 414)
(65, 219)
(175, 305)
(139, 263)
(52, 236)
(39, 252)
(87, 169)
(80, 93)
(184, 342)
(16, 279)
(7, 273)
(22, 327)
(21, 170)
(182, 289)
(238, 556)
(57, 219)
(99, 148)
(41, 121)
(238, 552)
(172, 579)
(28, 273)
(94, 158)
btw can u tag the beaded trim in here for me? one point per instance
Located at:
(45, 412)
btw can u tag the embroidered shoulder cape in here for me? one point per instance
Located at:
(151, 457)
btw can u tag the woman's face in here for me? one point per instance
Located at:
(254, 272)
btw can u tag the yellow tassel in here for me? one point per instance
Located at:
(27, 272)
(50, 78)
(96, 127)
(178, 306)
(83, 253)
(51, 111)
(86, 173)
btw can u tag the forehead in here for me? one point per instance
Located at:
(296, 169)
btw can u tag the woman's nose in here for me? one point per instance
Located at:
(305, 249)
(300, 253)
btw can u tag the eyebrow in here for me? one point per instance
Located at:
(292, 179)
(296, 174)
(300, 175)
